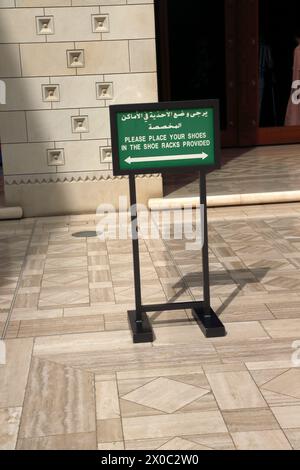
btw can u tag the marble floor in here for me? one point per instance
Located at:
(73, 379)
(245, 171)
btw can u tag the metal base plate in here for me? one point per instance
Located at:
(209, 323)
(141, 332)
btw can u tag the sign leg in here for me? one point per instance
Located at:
(139, 322)
(207, 319)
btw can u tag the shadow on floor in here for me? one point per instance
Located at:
(241, 278)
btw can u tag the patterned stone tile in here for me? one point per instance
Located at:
(51, 410)
(63, 297)
(261, 440)
(286, 384)
(9, 427)
(186, 424)
(83, 441)
(165, 395)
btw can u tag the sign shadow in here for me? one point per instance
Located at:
(241, 277)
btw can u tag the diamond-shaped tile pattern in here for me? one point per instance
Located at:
(286, 384)
(166, 395)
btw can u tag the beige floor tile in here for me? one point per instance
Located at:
(186, 424)
(133, 410)
(283, 328)
(64, 297)
(8, 282)
(9, 427)
(103, 309)
(31, 314)
(165, 395)
(293, 436)
(285, 310)
(205, 403)
(18, 357)
(197, 380)
(114, 446)
(83, 441)
(60, 326)
(107, 400)
(286, 384)
(3, 316)
(147, 444)
(178, 335)
(235, 390)
(38, 250)
(116, 322)
(266, 352)
(29, 290)
(192, 333)
(124, 273)
(102, 275)
(86, 342)
(250, 420)
(127, 386)
(172, 318)
(270, 365)
(109, 430)
(287, 416)
(214, 369)
(181, 445)
(159, 372)
(97, 260)
(263, 377)
(26, 301)
(262, 440)
(66, 278)
(246, 314)
(76, 249)
(102, 295)
(278, 399)
(244, 331)
(53, 264)
(12, 330)
(167, 272)
(150, 293)
(51, 410)
(222, 441)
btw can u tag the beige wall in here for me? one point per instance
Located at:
(64, 62)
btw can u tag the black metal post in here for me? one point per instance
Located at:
(208, 321)
(141, 328)
(205, 254)
(136, 249)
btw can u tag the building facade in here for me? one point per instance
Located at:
(64, 62)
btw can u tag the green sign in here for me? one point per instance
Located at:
(158, 137)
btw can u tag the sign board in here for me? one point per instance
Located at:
(154, 138)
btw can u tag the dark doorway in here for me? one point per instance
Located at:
(214, 50)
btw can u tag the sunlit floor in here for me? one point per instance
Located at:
(73, 378)
(245, 171)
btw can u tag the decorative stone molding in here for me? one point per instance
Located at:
(75, 58)
(100, 23)
(45, 25)
(51, 93)
(104, 91)
(81, 177)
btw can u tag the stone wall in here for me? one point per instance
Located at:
(64, 62)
